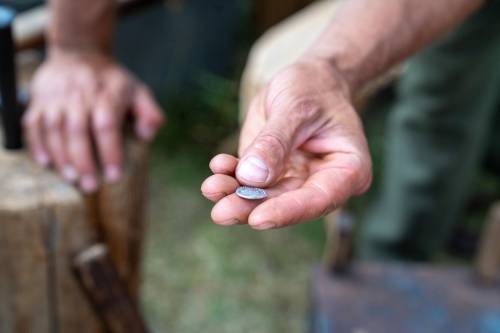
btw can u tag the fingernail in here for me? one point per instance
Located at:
(88, 184)
(253, 169)
(264, 226)
(69, 173)
(146, 132)
(42, 159)
(112, 173)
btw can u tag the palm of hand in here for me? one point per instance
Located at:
(307, 133)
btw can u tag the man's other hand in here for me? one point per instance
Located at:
(78, 102)
(303, 141)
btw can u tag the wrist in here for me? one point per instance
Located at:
(84, 26)
(338, 80)
(58, 53)
(340, 63)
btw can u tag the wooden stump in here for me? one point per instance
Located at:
(44, 222)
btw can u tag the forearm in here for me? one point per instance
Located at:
(82, 25)
(366, 37)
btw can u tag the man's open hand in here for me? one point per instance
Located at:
(79, 101)
(303, 141)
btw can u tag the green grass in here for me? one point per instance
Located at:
(200, 277)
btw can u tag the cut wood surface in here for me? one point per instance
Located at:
(43, 223)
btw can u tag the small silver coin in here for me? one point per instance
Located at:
(251, 193)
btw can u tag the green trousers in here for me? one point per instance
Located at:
(444, 122)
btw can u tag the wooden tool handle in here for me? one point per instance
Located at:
(107, 293)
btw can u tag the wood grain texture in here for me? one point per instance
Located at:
(35, 209)
(43, 223)
(120, 215)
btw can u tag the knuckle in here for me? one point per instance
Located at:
(156, 118)
(30, 120)
(366, 180)
(52, 121)
(298, 106)
(76, 127)
(365, 186)
(104, 122)
(353, 171)
(271, 141)
(85, 77)
(144, 90)
(359, 173)
(304, 110)
(301, 104)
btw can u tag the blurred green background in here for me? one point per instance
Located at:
(199, 277)
(203, 277)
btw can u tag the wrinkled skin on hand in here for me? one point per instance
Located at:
(303, 141)
(79, 101)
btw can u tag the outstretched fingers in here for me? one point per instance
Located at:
(218, 186)
(232, 209)
(223, 164)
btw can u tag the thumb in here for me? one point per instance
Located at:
(264, 160)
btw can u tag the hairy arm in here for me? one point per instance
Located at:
(302, 138)
(80, 97)
(82, 25)
(366, 37)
